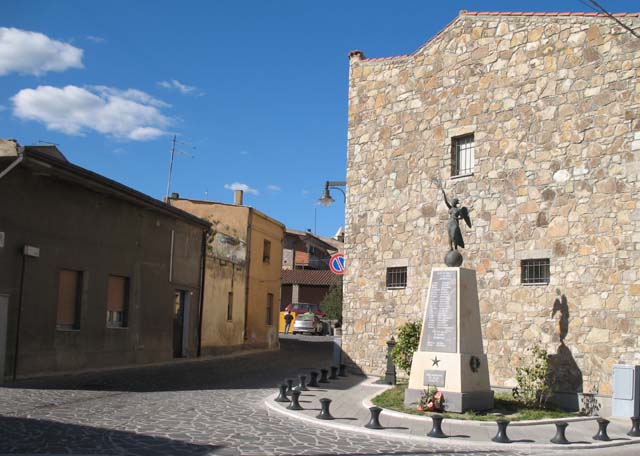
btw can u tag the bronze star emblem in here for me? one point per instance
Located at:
(435, 361)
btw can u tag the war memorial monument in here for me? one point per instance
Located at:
(450, 353)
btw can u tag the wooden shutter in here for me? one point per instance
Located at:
(68, 285)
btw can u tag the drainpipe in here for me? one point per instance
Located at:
(248, 274)
(16, 351)
(203, 267)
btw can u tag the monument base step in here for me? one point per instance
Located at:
(454, 401)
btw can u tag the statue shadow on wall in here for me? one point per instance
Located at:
(564, 369)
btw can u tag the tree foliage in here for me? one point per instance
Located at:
(332, 302)
(406, 345)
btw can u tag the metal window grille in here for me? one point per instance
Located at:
(462, 155)
(269, 309)
(536, 272)
(397, 277)
(266, 252)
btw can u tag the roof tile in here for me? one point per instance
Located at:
(309, 277)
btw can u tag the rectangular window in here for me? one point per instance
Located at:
(397, 277)
(266, 253)
(462, 155)
(69, 294)
(269, 309)
(117, 301)
(535, 272)
(230, 306)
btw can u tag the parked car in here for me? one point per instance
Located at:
(308, 323)
(302, 307)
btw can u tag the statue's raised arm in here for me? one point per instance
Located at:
(446, 201)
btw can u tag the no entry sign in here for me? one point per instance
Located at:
(336, 263)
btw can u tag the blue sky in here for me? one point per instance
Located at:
(256, 89)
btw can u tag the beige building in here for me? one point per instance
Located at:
(531, 119)
(243, 275)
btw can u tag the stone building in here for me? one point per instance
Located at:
(94, 274)
(243, 275)
(533, 121)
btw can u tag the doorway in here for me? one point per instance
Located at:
(180, 324)
(4, 315)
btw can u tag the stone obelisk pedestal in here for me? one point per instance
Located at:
(450, 355)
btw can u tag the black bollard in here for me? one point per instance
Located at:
(295, 405)
(324, 413)
(302, 383)
(282, 395)
(289, 382)
(436, 429)
(323, 376)
(602, 430)
(342, 370)
(374, 421)
(560, 438)
(314, 379)
(635, 427)
(334, 373)
(501, 435)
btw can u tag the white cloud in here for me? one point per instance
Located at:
(125, 114)
(22, 51)
(244, 187)
(131, 94)
(96, 39)
(273, 188)
(180, 87)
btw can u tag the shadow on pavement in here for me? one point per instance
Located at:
(246, 371)
(25, 435)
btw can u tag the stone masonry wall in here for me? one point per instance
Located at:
(554, 103)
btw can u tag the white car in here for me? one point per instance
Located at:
(308, 323)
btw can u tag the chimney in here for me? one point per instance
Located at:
(175, 195)
(237, 197)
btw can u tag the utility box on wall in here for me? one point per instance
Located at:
(626, 391)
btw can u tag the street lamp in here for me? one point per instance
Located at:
(326, 198)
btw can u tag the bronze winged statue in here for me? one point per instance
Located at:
(455, 214)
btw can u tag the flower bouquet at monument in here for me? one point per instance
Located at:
(431, 400)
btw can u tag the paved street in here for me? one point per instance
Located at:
(190, 408)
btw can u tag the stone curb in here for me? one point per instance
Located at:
(273, 406)
(366, 402)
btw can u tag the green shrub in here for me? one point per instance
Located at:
(332, 302)
(406, 345)
(535, 383)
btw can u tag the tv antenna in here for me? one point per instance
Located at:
(40, 141)
(174, 151)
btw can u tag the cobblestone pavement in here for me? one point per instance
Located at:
(191, 408)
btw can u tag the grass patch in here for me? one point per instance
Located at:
(504, 404)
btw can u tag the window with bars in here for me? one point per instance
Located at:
(269, 309)
(397, 277)
(230, 306)
(535, 271)
(266, 251)
(462, 155)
